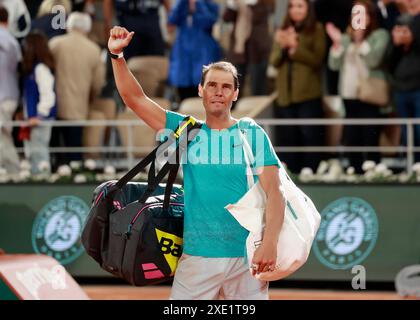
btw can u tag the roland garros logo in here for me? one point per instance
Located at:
(347, 234)
(57, 227)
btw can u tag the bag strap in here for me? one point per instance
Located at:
(250, 160)
(136, 169)
(152, 185)
(189, 123)
(172, 165)
(169, 186)
(248, 155)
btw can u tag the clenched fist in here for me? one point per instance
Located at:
(119, 38)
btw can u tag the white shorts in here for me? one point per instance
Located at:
(201, 278)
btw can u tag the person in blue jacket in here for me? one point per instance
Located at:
(39, 99)
(194, 45)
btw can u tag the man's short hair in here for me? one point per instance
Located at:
(4, 15)
(221, 65)
(79, 21)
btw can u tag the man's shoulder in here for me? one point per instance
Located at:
(92, 45)
(59, 38)
(58, 42)
(173, 119)
(82, 39)
(175, 115)
(248, 123)
(181, 116)
(78, 41)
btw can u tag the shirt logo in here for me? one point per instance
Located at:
(237, 145)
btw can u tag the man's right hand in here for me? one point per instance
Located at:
(128, 87)
(119, 38)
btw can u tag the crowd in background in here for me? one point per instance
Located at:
(301, 49)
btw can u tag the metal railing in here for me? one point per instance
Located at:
(409, 123)
(130, 149)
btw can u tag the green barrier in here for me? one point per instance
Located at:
(376, 226)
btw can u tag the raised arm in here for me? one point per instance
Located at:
(130, 90)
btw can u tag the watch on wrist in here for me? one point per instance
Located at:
(116, 56)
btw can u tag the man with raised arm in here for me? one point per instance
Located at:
(213, 262)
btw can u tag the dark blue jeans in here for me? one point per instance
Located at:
(66, 137)
(408, 106)
(361, 135)
(298, 135)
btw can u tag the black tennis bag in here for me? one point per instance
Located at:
(135, 230)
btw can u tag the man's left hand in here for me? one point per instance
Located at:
(264, 258)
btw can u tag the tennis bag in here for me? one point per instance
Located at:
(135, 230)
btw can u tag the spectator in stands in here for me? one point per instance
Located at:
(298, 53)
(338, 13)
(194, 45)
(405, 67)
(250, 40)
(142, 17)
(10, 56)
(80, 77)
(46, 15)
(39, 99)
(359, 56)
(19, 17)
(388, 11)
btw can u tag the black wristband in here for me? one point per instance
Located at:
(115, 56)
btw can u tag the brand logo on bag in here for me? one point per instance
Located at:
(347, 234)
(57, 227)
(171, 246)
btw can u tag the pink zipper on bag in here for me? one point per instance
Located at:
(152, 205)
(102, 193)
(99, 197)
(144, 208)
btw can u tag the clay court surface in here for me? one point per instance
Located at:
(121, 292)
